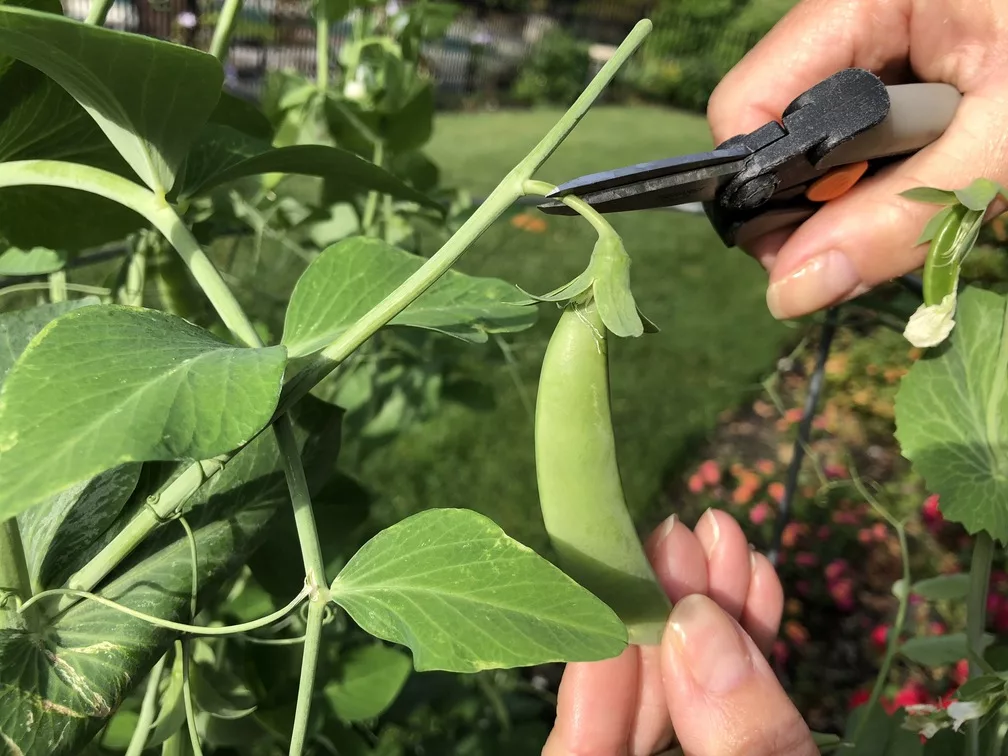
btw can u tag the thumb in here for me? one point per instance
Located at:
(869, 235)
(722, 695)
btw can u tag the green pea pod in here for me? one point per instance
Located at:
(580, 490)
(941, 268)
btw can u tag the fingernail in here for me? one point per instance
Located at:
(823, 280)
(708, 544)
(709, 645)
(666, 527)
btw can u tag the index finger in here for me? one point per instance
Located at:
(812, 42)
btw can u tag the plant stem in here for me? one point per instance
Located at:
(57, 286)
(183, 647)
(97, 12)
(371, 208)
(179, 627)
(304, 520)
(162, 506)
(507, 192)
(14, 576)
(309, 665)
(148, 710)
(98, 291)
(222, 31)
(976, 616)
(322, 46)
(132, 291)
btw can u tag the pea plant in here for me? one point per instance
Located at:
(146, 456)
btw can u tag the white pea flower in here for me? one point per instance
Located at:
(931, 325)
(964, 711)
(355, 90)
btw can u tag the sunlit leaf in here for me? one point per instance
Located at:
(952, 416)
(352, 276)
(150, 386)
(19, 327)
(464, 597)
(368, 680)
(150, 119)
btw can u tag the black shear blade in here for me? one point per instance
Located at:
(662, 183)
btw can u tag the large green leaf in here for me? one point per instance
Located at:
(952, 416)
(939, 650)
(150, 119)
(369, 679)
(465, 597)
(107, 385)
(58, 690)
(58, 534)
(352, 276)
(223, 154)
(19, 327)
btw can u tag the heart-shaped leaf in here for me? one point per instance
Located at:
(352, 276)
(151, 119)
(952, 416)
(150, 386)
(464, 597)
(368, 681)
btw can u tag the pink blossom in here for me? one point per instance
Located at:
(835, 569)
(806, 559)
(823, 533)
(759, 513)
(710, 473)
(930, 511)
(696, 484)
(880, 637)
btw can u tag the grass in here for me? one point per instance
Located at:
(668, 389)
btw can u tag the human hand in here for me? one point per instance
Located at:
(708, 685)
(869, 235)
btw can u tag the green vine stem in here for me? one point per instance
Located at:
(506, 194)
(586, 211)
(15, 580)
(371, 207)
(901, 612)
(182, 647)
(17, 173)
(97, 12)
(99, 291)
(304, 520)
(322, 45)
(58, 286)
(976, 616)
(148, 710)
(132, 291)
(179, 627)
(225, 26)
(309, 666)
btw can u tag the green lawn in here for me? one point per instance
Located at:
(717, 338)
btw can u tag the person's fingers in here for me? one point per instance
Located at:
(764, 604)
(869, 235)
(595, 707)
(651, 730)
(728, 566)
(812, 42)
(722, 695)
(678, 559)
(681, 567)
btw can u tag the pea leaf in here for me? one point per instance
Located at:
(58, 690)
(943, 587)
(30, 262)
(978, 195)
(932, 226)
(951, 418)
(58, 534)
(223, 154)
(151, 119)
(19, 327)
(352, 276)
(464, 597)
(368, 682)
(149, 385)
(930, 195)
(939, 650)
(220, 693)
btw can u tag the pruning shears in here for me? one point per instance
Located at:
(845, 128)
